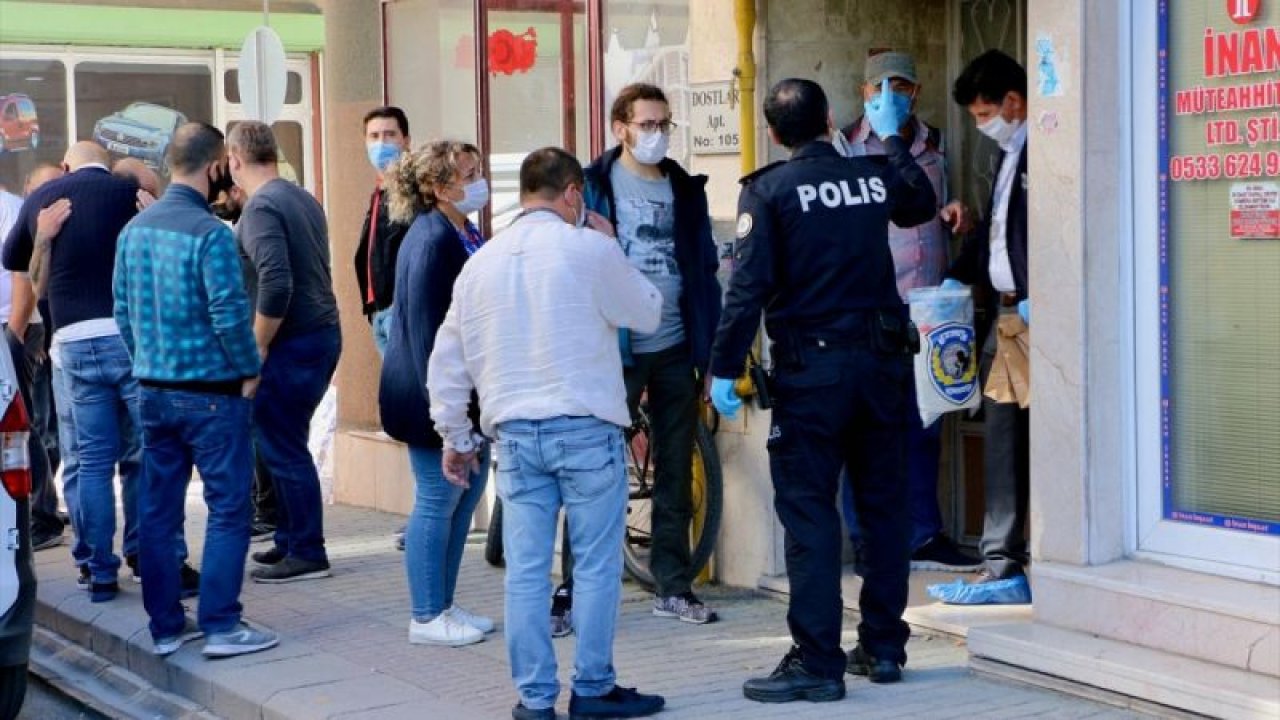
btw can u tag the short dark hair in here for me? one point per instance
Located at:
(629, 95)
(254, 142)
(548, 172)
(388, 111)
(194, 145)
(797, 111)
(989, 77)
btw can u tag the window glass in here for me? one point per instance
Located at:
(292, 90)
(1220, 265)
(648, 42)
(132, 109)
(289, 140)
(33, 117)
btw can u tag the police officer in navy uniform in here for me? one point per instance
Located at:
(813, 253)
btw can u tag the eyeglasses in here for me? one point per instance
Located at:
(665, 126)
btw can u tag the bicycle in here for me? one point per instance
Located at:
(708, 501)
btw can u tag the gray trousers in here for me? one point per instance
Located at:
(1007, 460)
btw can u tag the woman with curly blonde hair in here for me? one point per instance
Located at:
(431, 189)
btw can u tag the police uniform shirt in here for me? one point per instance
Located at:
(812, 245)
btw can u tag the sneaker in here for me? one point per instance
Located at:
(134, 574)
(941, 553)
(190, 578)
(520, 712)
(399, 533)
(619, 702)
(240, 640)
(562, 612)
(103, 592)
(268, 557)
(686, 606)
(44, 541)
(791, 681)
(445, 629)
(169, 645)
(862, 663)
(261, 531)
(84, 580)
(291, 569)
(479, 622)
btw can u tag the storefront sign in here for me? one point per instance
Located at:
(713, 119)
(1255, 210)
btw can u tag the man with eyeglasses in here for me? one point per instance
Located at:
(660, 212)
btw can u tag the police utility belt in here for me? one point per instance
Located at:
(886, 332)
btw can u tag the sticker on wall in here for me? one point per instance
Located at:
(1050, 84)
(1048, 122)
(1255, 211)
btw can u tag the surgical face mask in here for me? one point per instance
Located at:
(999, 129)
(650, 147)
(475, 196)
(382, 154)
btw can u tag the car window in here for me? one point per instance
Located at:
(10, 112)
(27, 108)
(153, 115)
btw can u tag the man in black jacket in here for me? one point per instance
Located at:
(662, 221)
(993, 88)
(386, 135)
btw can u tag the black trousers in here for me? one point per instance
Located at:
(1007, 485)
(833, 407)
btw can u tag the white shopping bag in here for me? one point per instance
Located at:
(947, 366)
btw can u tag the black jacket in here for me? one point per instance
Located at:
(696, 254)
(971, 267)
(378, 269)
(430, 259)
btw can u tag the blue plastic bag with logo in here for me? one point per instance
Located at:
(947, 366)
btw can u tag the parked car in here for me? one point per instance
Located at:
(17, 571)
(19, 125)
(142, 130)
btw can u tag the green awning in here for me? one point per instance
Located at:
(34, 23)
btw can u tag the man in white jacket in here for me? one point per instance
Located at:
(533, 330)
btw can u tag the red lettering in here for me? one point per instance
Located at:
(1228, 58)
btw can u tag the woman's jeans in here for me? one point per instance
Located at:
(577, 463)
(437, 531)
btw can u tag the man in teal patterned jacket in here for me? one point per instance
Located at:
(184, 314)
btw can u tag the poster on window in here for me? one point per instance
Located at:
(33, 118)
(1219, 262)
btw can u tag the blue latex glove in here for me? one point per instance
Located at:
(724, 397)
(888, 111)
(1024, 309)
(950, 308)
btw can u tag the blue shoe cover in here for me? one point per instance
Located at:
(1013, 591)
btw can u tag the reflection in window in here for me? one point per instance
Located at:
(649, 42)
(292, 88)
(132, 109)
(290, 142)
(33, 117)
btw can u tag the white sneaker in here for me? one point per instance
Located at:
(445, 629)
(479, 622)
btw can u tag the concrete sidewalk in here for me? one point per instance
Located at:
(344, 652)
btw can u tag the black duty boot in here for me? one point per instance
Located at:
(791, 681)
(877, 671)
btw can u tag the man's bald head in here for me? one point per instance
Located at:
(43, 173)
(134, 168)
(85, 152)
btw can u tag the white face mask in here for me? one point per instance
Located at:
(650, 147)
(475, 196)
(999, 129)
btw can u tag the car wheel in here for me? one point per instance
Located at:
(34, 141)
(13, 689)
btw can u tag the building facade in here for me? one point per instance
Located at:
(1154, 142)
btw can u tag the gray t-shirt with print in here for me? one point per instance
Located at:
(646, 228)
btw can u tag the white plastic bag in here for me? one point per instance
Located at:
(947, 366)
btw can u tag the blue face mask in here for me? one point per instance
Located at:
(382, 154)
(901, 103)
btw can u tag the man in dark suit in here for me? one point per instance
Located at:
(993, 88)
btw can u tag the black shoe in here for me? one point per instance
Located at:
(941, 553)
(260, 531)
(520, 712)
(562, 611)
(45, 540)
(102, 592)
(791, 681)
(400, 542)
(291, 569)
(84, 580)
(190, 581)
(134, 574)
(619, 702)
(268, 557)
(65, 518)
(876, 670)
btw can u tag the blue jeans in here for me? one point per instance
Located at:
(179, 429)
(924, 450)
(97, 399)
(294, 379)
(381, 330)
(576, 463)
(437, 531)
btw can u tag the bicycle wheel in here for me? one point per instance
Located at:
(708, 500)
(493, 537)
